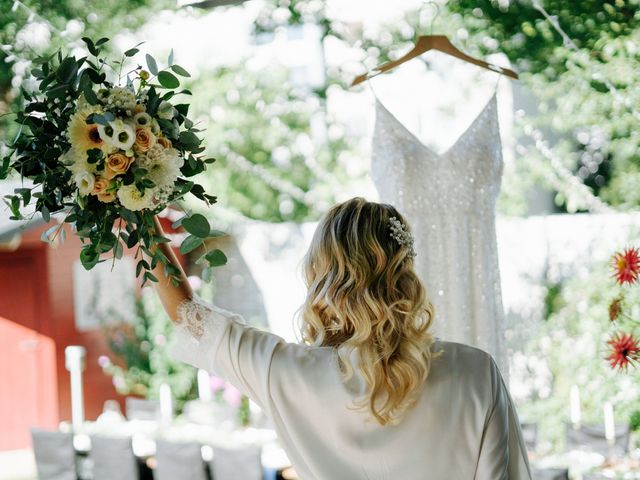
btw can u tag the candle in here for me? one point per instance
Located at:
(166, 403)
(609, 424)
(576, 415)
(204, 386)
(74, 363)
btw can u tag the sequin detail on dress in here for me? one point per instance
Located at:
(449, 200)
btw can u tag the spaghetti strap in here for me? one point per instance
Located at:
(495, 89)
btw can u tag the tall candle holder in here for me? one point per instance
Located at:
(204, 386)
(575, 410)
(609, 428)
(166, 405)
(75, 363)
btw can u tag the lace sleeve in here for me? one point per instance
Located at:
(191, 315)
(217, 341)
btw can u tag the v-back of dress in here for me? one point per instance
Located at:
(449, 200)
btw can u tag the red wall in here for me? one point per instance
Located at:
(50, 272)
(28, 379)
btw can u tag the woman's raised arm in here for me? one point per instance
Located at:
(214, 339)
(170, 295)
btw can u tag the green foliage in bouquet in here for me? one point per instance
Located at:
(109, 155)
(143, 361)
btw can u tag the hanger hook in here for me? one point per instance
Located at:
(436, 15)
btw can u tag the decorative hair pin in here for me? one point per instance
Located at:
(400, 234)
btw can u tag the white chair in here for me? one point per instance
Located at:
(551, 473)
(236, 464)
(592, 438)
(179, 461)
(54, 454)
(113, 458)
(142, 409)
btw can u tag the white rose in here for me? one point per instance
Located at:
(131, 198)
(166, 110)
(85, 182)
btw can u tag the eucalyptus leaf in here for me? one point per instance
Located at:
(90, 96)
(207, 274)
(128, 216)
(168, 80)
(177, 223)
(25, 193)
(67, 70)
(142, 264)
(46, 215)
(180, 71)
(189, 139)
(90, 46)
(118, 251)
(197, 225)
(4, 167)
(189, 244)
(150, 276)
(216, 258)
(89, 257)
(58, 91)
(47, 233)
(151, 63)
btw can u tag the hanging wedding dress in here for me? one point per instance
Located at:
(449, 200)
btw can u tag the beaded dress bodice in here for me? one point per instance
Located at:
(449, 200)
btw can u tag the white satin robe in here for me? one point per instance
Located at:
(464, 426)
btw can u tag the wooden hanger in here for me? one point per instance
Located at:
(433, 42)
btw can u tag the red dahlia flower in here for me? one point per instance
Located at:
(625, 350)
(626, 265)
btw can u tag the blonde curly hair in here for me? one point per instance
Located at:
(364, 295)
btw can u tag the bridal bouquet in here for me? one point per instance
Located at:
(625, 344)
(109, 155)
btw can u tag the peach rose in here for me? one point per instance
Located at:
(116, 164)
(100, 186)
(165, 142)
(107, 197)
(145, 139)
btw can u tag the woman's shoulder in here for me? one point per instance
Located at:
(462, 360)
